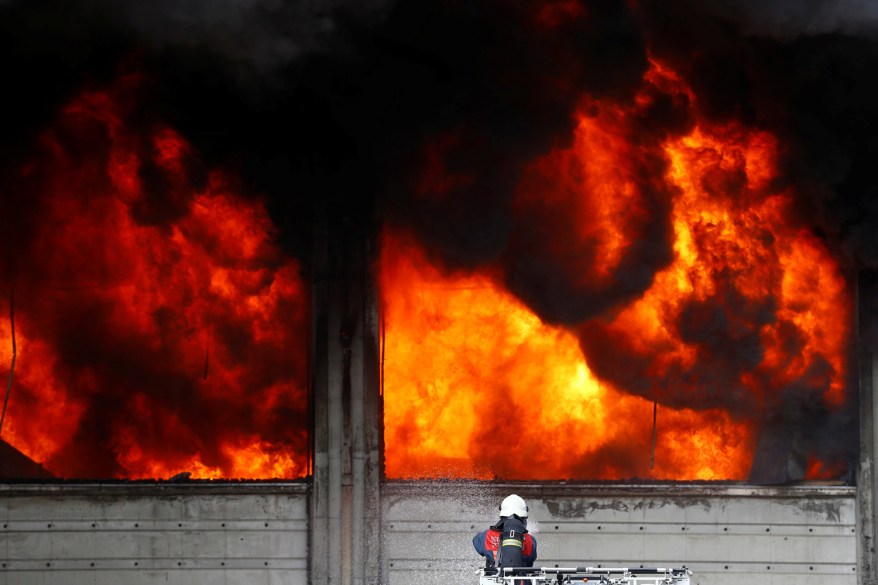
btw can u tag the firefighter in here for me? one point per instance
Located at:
(507, 543)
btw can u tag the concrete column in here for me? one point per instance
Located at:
(867, 348)
(345, 531)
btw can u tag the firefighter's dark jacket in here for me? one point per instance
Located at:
(488, 544)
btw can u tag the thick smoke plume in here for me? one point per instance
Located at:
(257, 37)
(348, 95)
(789, 19)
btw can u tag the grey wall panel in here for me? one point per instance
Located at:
(726, 534)
(143, 534)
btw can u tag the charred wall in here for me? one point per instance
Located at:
(866, 480)
(154, 533)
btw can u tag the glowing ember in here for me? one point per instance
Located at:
(677, 274)
(159, 328)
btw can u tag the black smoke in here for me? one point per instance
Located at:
(336, 97)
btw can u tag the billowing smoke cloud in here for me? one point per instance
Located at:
(260, 37)
(343, 96)
(788, 19)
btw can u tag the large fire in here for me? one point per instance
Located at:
(159, 329)
(621, 372)
(596, 262)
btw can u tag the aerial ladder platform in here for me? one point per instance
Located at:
(594, 575)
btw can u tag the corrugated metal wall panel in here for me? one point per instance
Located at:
(136, 534)
(726, 534)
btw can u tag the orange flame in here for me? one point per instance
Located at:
(475, 385)
(183, 286)
(747, 306)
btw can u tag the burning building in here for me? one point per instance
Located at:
(333, 256)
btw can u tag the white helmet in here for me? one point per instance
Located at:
(513, 504)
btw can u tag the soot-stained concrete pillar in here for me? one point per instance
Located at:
(345, 528)
(867, 354)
